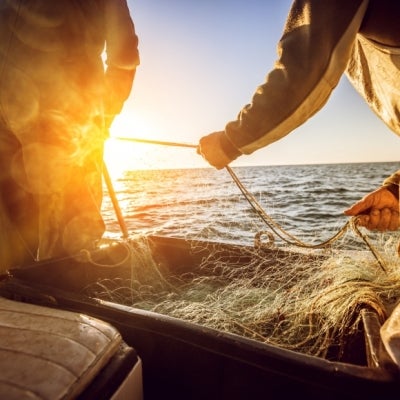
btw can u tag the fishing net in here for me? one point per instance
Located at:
(281, 291)
(308, 301)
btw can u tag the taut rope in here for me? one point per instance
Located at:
(274, 226)
(114, 200)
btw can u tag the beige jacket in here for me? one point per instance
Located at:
(320, 43)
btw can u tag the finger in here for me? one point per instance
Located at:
(374, 219)
(394, 221)
(356, 209)
(385, 219)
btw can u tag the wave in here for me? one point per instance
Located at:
(304, 199)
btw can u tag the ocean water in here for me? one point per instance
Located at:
(305, 200)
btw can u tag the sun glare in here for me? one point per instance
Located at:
(127, 150)
(123, 155)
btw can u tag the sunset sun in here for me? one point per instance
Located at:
(122, 155)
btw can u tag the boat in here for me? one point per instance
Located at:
(175, 359)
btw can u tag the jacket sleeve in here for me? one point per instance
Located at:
(393, 183)
(122, 55)
(312, 56)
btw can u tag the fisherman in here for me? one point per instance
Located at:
(57, 101)
(321, 41)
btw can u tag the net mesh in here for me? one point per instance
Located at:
(306, 301)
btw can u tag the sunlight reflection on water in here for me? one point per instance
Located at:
(307, 200)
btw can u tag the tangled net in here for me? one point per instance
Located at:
(305, 301)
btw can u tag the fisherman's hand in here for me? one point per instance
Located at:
(378, 210)
(210, 149)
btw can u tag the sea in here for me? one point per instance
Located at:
(307, 201)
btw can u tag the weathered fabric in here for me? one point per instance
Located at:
(323, 40)
(56, 100)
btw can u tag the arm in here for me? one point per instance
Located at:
(122, 56)
(313, 54)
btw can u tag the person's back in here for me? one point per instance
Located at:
(52, 118)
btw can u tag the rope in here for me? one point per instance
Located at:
(148, 141)
(108, 181)
(114, 200)
(276, 228)
(354, 226)
(292, 240)
(86, 256)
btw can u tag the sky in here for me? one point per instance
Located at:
(201, 62)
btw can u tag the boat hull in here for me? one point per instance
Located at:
(182, 360)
